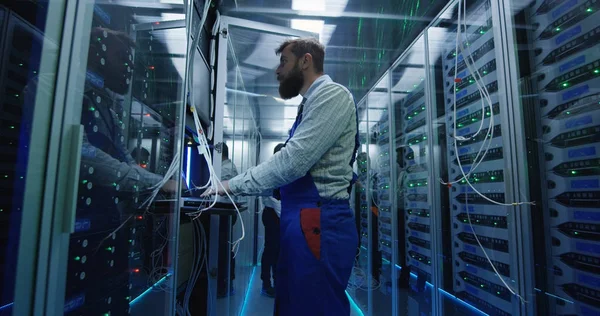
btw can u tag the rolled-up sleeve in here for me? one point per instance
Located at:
(324, 121)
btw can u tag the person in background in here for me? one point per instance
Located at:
(226, 223)
(314, 173)
(142, 156)
(228, 169)
(270, 218)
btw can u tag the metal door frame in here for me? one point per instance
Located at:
(222, 51)
(30, 289)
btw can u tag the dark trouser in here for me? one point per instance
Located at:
(376, 261)
(270, 253)
(225, 229)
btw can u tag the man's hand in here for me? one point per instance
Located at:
(210, 191)
(170, 186)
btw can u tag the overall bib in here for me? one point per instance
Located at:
(317, 250)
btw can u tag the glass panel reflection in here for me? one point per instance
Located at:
(412, 139)
(27, 82)
(380, 155)
(120, 255)
(361, 280)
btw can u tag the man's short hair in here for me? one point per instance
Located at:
(301, 46)
(225, 151)
(278, 148)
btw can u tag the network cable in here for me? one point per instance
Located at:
(485, 94)
(214, 181)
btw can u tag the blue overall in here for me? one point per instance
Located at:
(317, 249)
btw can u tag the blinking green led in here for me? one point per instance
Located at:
(565, 84)
(493, 178)
(573, 172)
(597, 71)
(557, 29)
(589, 10)
(77, 258)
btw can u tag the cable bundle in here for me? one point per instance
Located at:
(486, 144)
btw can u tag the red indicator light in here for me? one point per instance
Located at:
(140, 217)
(136, 270)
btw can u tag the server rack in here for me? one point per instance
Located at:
(473, 216)
(414, 144)
(122, 245)
(566, 69)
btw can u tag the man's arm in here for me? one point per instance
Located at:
(108, 170)
(322, 125)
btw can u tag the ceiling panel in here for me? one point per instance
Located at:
(363, 39)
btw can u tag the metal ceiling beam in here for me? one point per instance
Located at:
(324, 14)
(145, 6)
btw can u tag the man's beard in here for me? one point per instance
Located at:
(291, 85)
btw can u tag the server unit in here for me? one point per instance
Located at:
(417, 205)
(474, 278)
(567, 71)
(383, 191)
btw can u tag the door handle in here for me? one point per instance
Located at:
(73, 182)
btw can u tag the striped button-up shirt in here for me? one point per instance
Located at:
(322, 144)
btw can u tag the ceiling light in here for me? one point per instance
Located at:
(308, 5)
(172, 16)
(313, 26)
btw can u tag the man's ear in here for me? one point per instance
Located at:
(307, 61)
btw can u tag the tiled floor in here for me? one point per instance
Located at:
(260, 305)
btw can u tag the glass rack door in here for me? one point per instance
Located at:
(30, 45)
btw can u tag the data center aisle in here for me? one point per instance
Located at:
(259, 305)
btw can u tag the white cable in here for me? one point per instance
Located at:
(485, 94)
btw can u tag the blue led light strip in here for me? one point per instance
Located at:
(6, 306)
(248, 292)
(354, 305)
(157, 284)
(187, 166)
